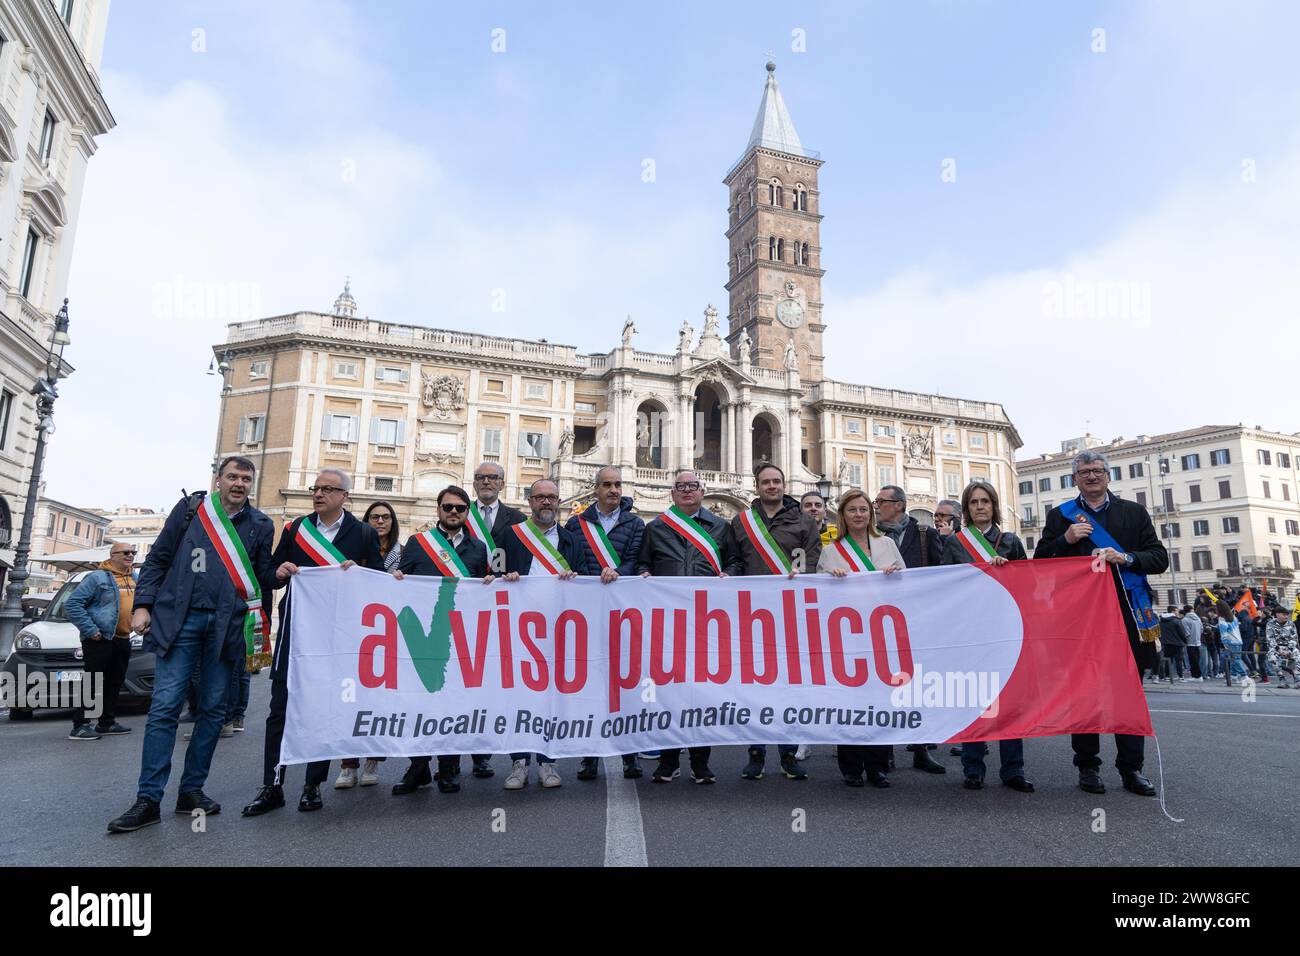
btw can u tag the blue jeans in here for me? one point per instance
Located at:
(1011, 753)
(241, 682)
(198, 643)
(1231, 659)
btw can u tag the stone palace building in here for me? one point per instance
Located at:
(408, 409)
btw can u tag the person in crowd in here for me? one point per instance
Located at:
(330, 536)
(383, 518)
(775, 536)
(814, 504)
(447, 550)
(200, 591)
(1173, 643)
(539, 547)
(1210, 641)
(1230, 639)
(687, 540)
(1282, 641)
(1192, 629)
(100, 609)
(1119, 532)
(920, 547)
(609, 535)
(1250, 657)
(860, 549)
(984, 541)
(490, 518)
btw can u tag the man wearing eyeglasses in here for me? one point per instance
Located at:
(671, 549)
(490, 518)
(299, 547)
(453, 515)
(920, 547)
(620, 531)
(1093, 524)
(100, 607)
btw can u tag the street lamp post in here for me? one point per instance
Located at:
(46, 391)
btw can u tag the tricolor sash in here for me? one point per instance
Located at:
(441, 553)
(696, 536)
(764, 543)
(599, 543)
(534, 539)
(976, 545)
(234, 558)
(1135, 585)
(318, 547)
(478, 527)
(857, 559)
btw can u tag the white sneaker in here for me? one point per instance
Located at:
(803, 752)
(548, 774)
(370, 772)
(347, 779)
(518, 778)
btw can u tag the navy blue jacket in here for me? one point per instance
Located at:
(356, 540)
(910, 547)
(625, 536)
(519, 558)
(472, 551)
(166, 581)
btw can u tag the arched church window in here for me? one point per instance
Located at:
(775, 196)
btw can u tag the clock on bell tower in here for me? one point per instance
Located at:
(774, 249)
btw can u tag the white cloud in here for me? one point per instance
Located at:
(1211, 281)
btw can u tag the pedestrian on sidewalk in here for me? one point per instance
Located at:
(1192, 629)
(100, 607)
(1174, 643)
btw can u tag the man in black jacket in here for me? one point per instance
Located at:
(192, 613)
(347, 542)
(522, 561)
(921, 547)
(1140, 553)
(489, 520)
(418, 559)
(611, 513)
(669, 553)
(798, 539)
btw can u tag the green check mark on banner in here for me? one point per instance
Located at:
(430, 652)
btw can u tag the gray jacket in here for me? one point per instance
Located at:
(93, 606)
(1192, 628)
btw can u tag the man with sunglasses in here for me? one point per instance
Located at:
(423, 556)
(489, 521)
(609, 535)
(330, 535)
(672, 547)
(100, 607)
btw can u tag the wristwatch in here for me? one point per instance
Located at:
(1128, 559)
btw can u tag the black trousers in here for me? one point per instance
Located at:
(272, 770)
(855, 758)
(1129, 750)
(107, 657)
(674, 757)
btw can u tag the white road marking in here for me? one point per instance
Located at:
(624, 836)
(1224, 713)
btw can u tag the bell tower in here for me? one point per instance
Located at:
(774, 248)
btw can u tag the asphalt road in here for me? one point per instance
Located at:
(1229, 774)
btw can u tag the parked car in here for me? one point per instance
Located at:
(52, 646)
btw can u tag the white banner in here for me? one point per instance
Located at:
(381, 667)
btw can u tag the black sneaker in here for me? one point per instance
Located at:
(483, 766)
(589, 768)
(113, 731)
(143, 813)
(700, 773)
(754, 769)
(666, 772)
(632, 767)
(792, 768)
(84, 732)
(197, 800)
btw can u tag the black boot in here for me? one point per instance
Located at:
(922, 760)
(417, 775)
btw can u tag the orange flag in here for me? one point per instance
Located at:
(1248, 602)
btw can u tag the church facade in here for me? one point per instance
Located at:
(408, 410)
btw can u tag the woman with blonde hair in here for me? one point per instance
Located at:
(860, 549)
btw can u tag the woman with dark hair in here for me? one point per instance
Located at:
(380, 516)
(982, 541)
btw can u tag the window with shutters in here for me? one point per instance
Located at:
(1114, 473)
(47, 137)
(884, 476)
(1201, 561)
(535, 445)
(1175, 561)
(1135, 470)
(976, 440)
(1029, 544)
(535, 390)
(1231, 525)
(1293, 527)
(1193, 493)
(1265, 456)
(1272, 525)
(1067, 481)
(1286, 491)
(492, 441)
(855, 475)
(258, 369)
(6, 408)
(1268, 492)
(1234, 560)
(1170, 530)
(1026, 487)
(340, 428)
(1140, 497)
(391, 375)
(853, 426)
(1201, 528)
(1220, 456)
(1225, 489)
(1168, 495)
(951, 484)
(1044, 484)
(252, 429)
(345, 369)
(387, 433)
(1191, 462)
(1283, 460)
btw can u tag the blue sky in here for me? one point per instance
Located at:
(308, 140)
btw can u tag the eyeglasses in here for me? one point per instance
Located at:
(325, 489)
(887, 501)
(121, 554)
(544, 497)
(380, 517)
(454, 509)
(489, 478)
(1091, 472)
(687, 486)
